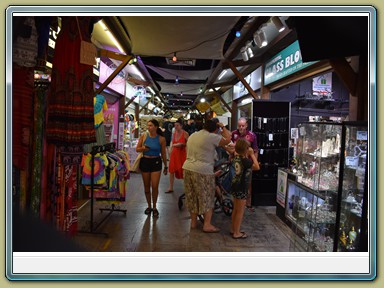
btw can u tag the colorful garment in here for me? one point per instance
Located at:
(70, 102)
(249, 136)
(178, 156)
(100, 163)
(100, 105)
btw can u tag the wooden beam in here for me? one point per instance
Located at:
(223, 101)
(113, 75)
(131, 100)
(241, 78)
(146, 104)
(137, 81)
(111, 54)
(345, 73)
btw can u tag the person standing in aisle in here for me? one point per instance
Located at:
(242, 132)
(154, 150)
(244, 162)
(178, 153)
(199, 177)
(167, 130)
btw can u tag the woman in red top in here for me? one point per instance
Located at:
(178, 154)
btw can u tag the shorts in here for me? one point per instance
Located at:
(151, 164)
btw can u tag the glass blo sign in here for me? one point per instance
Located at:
(286, 62)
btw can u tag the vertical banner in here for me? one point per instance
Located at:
(282, 177)
(121, 135)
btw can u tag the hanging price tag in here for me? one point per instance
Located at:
(270, 137)
(265, 120)
(261, 151)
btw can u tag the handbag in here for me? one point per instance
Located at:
(136, 164)
(88, 52)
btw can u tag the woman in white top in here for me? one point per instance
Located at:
(199, 177)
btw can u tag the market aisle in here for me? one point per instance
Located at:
(137, 232)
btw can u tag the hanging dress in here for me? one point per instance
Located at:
(70, 101)
(178, 156)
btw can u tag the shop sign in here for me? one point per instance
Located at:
(285, 63)
(322, 85)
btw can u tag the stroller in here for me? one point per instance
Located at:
(223, 198)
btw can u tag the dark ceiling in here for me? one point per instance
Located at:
(202, 45)
(207, 45)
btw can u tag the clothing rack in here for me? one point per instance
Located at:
(109, 147)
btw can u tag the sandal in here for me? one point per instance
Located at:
(243, 235)
(155, 213)
(148, 211)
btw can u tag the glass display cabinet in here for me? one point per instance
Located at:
(352, 224)
(318, 155)
(327, 203)
(313, 217)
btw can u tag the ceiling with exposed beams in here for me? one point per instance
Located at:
(200, 44)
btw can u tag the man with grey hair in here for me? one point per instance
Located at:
(242, 132)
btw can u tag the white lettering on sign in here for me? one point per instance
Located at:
(292, 59)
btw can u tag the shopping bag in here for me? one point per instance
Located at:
(136, 164)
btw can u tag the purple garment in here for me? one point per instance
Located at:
(249, 136)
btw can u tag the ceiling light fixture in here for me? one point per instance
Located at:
(202, 100)
(278, 23)
(132, 61)
(249, 49)
(222, 74)
(174, 58)
(109, 33)
(263, 38)
(244, 54)
(256, 39)
(177, 80)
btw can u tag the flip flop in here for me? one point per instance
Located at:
(169, 191)
(231, 233)
(214, 230)
(243, 236)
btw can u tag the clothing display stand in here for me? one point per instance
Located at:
(110, 147)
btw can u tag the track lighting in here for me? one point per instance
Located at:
(249, 49)
(132, 61)
(256, 39)
(222, 74)
(263, 38)
(278, 24)
(244, 54)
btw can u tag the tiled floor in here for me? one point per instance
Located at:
(136, 232)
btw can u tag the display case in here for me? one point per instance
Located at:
(352, 224)
(313, 218)
(318, 156)
(327, 203)
(271, 126)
